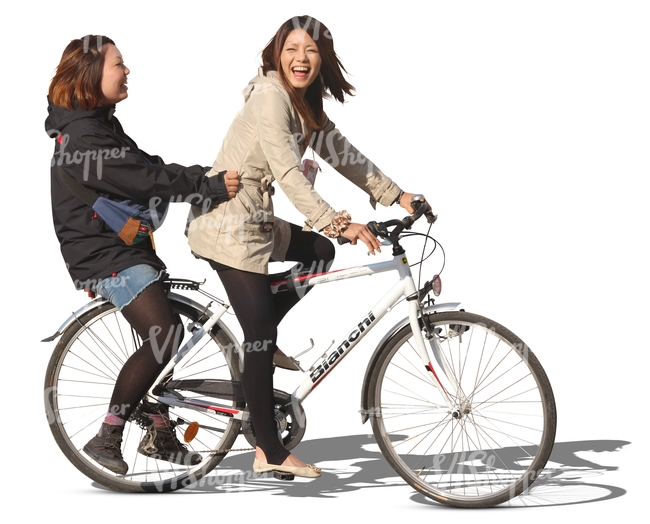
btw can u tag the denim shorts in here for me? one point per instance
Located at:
(126, 285)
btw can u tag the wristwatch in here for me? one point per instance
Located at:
(396, 201)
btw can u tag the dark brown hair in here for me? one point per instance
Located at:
(330, 81)
(78, 77)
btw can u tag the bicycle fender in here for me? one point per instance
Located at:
(365, 401)
(99, 301)
(93, 304)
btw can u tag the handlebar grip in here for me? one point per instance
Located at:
(372, 226)
(417, 202)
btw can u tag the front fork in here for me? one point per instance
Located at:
(419, 325)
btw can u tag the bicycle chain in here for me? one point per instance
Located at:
(141, 418)
(222, 452)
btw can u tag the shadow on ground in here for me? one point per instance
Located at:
(352, 463)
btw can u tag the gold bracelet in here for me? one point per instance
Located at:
(340, 223)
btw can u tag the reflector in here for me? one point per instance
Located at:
(191, 431)
(437, 285)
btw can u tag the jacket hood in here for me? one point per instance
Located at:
(59, 117)
(271, 78)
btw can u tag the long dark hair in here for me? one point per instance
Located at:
(330, 82)
(78, 77)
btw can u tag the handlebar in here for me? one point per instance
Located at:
(380, 229)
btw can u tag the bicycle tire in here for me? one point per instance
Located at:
(499, 434)
(79, 382)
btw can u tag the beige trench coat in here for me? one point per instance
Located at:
(265, 144)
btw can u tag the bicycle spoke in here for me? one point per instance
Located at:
(79, 386)
(485, 449)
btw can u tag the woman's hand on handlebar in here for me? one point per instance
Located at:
(361, 232)
(405, 202)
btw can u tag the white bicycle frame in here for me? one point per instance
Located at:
(405, 287)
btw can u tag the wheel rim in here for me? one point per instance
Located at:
(492, 443)
(81, 381)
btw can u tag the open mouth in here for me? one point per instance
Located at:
(300, 72)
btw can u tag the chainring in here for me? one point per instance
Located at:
(289, 416)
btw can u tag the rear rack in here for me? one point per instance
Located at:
(182, 283)
(191, 285)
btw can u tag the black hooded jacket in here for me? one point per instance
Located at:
(93, 148)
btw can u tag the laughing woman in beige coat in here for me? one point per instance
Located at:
(282, 116)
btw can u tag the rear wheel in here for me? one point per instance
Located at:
(487, 436)
(79, 383)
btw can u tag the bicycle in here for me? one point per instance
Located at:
(459, 406)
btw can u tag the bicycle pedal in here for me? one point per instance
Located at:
(282, 475)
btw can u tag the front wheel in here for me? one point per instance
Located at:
(80, 379)
(485, 434)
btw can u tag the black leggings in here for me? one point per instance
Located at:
(151, 316)
(259, 312)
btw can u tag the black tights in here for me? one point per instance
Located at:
(259, 312)
(151, 316)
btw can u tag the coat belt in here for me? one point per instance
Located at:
(266, 185)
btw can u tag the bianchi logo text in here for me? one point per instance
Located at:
(329, 360)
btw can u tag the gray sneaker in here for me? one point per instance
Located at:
(105, 448)
(162, 444)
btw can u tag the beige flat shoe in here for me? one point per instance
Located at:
(285, 362)
(309, 471)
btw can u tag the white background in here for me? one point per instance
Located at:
(526, 125)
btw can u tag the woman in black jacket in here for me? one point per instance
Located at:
(92, 152)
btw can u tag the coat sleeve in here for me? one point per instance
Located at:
(337, 151)
(272, 114)
(110, 167)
